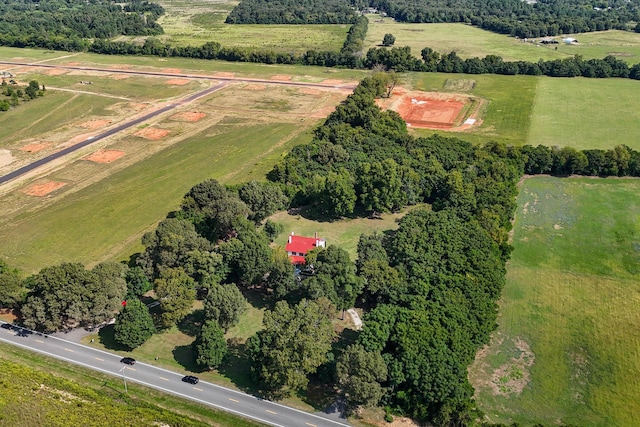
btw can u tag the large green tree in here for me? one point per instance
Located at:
(360, 373)
(263, 198)
(12, 293)
(224, 304)
(294, 341)
(210, 346)
(134, 325)
(67, 295)
(175, 290)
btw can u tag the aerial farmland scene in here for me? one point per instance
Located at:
(319, 213)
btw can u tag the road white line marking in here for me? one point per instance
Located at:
(233, 400)
(131, 369)
(97, 358)
(40, 341)
(271, 412)
(312, 425)
(68, 349)
(163, 378)
(196, 388)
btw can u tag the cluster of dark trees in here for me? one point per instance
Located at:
(51, 22)
(15, 93)
(400, 59)
(292, 12)
(518, 18)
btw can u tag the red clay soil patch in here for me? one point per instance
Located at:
(72, 64)
(224, 74)
(137, 106)
(35, 147)
(188, 116)
(95, 124)
(177, 82)
(152, 133)
(104, 156)
(172, 70)
(425, 112)
(41, 190)
(428, 110)
(285, 77)
(309, 91)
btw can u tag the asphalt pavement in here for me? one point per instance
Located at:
(208, 394)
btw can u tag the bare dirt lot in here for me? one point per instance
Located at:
(41, 190)
(104, 156)
(433, 110)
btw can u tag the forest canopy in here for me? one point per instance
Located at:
(77, 19)
(292, 12)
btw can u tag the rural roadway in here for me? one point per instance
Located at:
(93, 139)
(166, 381)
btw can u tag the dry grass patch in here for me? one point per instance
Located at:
(177, 82)
(188, 116)
(95, 124)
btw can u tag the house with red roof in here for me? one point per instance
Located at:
(298, 246)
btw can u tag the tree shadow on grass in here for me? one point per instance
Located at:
(237, 367)
(192, 324)
(106, 335)
(185, 356)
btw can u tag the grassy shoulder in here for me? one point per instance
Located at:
(565, 346)
(38, 390)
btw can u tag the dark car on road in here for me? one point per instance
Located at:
(7, 326)
(190, 379)
(128, 360)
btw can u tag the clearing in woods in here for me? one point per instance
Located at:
(566, 348)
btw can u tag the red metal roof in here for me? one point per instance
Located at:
(301, 245)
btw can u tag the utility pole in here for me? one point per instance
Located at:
(124, 378)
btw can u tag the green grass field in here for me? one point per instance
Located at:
(469, 41)
(584, 113)
(107, 219)
(507, 113)
(568, 329)
(193, 23)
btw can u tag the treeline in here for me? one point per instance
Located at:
(400, 59)
(519, 18)
(32, 24)
(292, 12)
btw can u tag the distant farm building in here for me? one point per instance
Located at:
(548, 40)
(298, 246)
(570, 40)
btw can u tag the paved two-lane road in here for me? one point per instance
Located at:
(170, 382)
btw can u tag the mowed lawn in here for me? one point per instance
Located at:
(469, 41)
(568, 334)
(586, 113)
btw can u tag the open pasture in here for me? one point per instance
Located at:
(567, 346)
(468, 41)
(104, 198)
(585, 113)
(193, 23)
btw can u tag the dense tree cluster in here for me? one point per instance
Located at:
(292, 12)
(62, 24)
(518, 18)
(400, 59)
(14, 93)
(67, 295)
